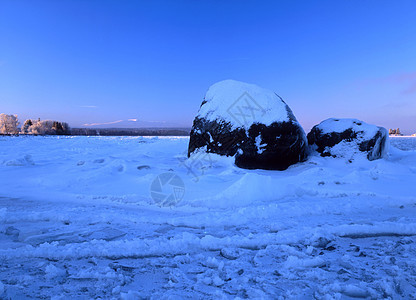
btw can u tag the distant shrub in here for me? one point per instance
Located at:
(8, 124)
(25, 127)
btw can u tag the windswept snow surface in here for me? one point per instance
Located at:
(77, 221)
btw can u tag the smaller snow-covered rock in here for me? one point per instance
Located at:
(143, 167)
(340, 137)
(130, 295)
(230, 253)
(20, 162)
(355, 291)
(294, 262)
(321, 242)
(12, 231)
(52, 272)
(107, 234)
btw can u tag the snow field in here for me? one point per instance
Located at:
(77, 220)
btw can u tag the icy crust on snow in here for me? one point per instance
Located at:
(225, 95)
(367, 131)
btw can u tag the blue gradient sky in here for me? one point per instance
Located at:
(103, 61)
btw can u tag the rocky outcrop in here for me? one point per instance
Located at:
(248, 122)
(344, 137)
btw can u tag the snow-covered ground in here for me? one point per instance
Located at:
(77, 220)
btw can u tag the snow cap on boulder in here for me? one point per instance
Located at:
(344, 137)
(223, 100)
(250, 122)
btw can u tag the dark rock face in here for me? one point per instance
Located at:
(370, 139)
(217, 136)
(282, 144)
(271, 147)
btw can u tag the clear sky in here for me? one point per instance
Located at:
(88, 62)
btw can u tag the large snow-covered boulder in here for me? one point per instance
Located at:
(250, 122)
(346, 137)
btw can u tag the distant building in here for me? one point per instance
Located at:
(395, 132)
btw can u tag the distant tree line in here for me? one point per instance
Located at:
(9, 125)
(45, 127)
(131, 131)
